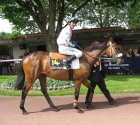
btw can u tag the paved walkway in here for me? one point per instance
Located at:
(125, 112)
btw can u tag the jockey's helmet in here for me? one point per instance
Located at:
(73, 19)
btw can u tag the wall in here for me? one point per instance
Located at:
(17, 52)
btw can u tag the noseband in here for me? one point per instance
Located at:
(112, 50)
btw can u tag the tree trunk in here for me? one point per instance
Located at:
(60, 16)
(51, 43)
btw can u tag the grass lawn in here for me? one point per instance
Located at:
(4, 78)
(115, 84)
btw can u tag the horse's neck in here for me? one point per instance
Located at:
(93, 56)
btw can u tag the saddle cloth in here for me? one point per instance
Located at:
(56, 61)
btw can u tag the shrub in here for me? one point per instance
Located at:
(52, 84)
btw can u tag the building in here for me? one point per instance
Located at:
(17, 46)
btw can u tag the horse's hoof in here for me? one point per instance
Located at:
(25, 113)
(88, 106)
(55, 109)
(80, 111)
(75, 107)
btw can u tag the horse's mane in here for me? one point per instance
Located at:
(96, 45)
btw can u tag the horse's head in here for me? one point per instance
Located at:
(109, 48)
(113, 50)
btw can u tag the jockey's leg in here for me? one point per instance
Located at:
(73, 54)
(68, 61)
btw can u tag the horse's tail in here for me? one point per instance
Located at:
(20, 78)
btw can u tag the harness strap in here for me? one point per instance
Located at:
(90, 55)
(70, 71)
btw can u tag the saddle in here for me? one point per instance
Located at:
(57, 59)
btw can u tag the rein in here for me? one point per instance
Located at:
(96, 57)
(111, 51)
(87, 53)
(90, 55)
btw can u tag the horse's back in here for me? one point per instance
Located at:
(39, 63)
(35, 56)
(35, 59)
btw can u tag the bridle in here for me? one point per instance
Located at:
(111, 52)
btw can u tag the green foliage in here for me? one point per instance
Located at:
(18, 16)
(102, 15)
(9, 83)
(33, 16)
(134, 15)
(4, 35)
(5, 78)
(28, 15)
(115, 84)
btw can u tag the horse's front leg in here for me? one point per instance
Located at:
(43, 84)
(54, 108)
(77, 90)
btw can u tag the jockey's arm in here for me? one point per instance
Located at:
(64, 38)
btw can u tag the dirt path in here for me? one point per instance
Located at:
(125, 112)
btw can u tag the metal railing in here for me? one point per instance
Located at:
(9, 67)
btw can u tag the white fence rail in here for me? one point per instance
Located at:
(9, 66)
(11, 60)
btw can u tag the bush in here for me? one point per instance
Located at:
(52, 84)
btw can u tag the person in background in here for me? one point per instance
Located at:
(136, 53)
(65, 46)
(129, 53)
(97, 77)
(138, 50)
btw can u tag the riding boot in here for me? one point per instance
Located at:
(88, 101)
(68, 61)
(112, 101)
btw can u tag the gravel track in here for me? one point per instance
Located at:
(126, 111)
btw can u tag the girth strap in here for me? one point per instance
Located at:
(70, 74)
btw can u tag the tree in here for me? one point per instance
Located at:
(45, 15)
(101, 15)
(134, 15)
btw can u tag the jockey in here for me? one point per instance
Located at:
(65, 45)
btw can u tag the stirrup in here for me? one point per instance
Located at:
(68, 65)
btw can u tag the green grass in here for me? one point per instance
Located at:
(4, 78)
(115, 84)
(123, 83)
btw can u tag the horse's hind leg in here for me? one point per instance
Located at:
(42, 80)
(23, 97)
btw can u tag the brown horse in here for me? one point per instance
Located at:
(37, 66)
